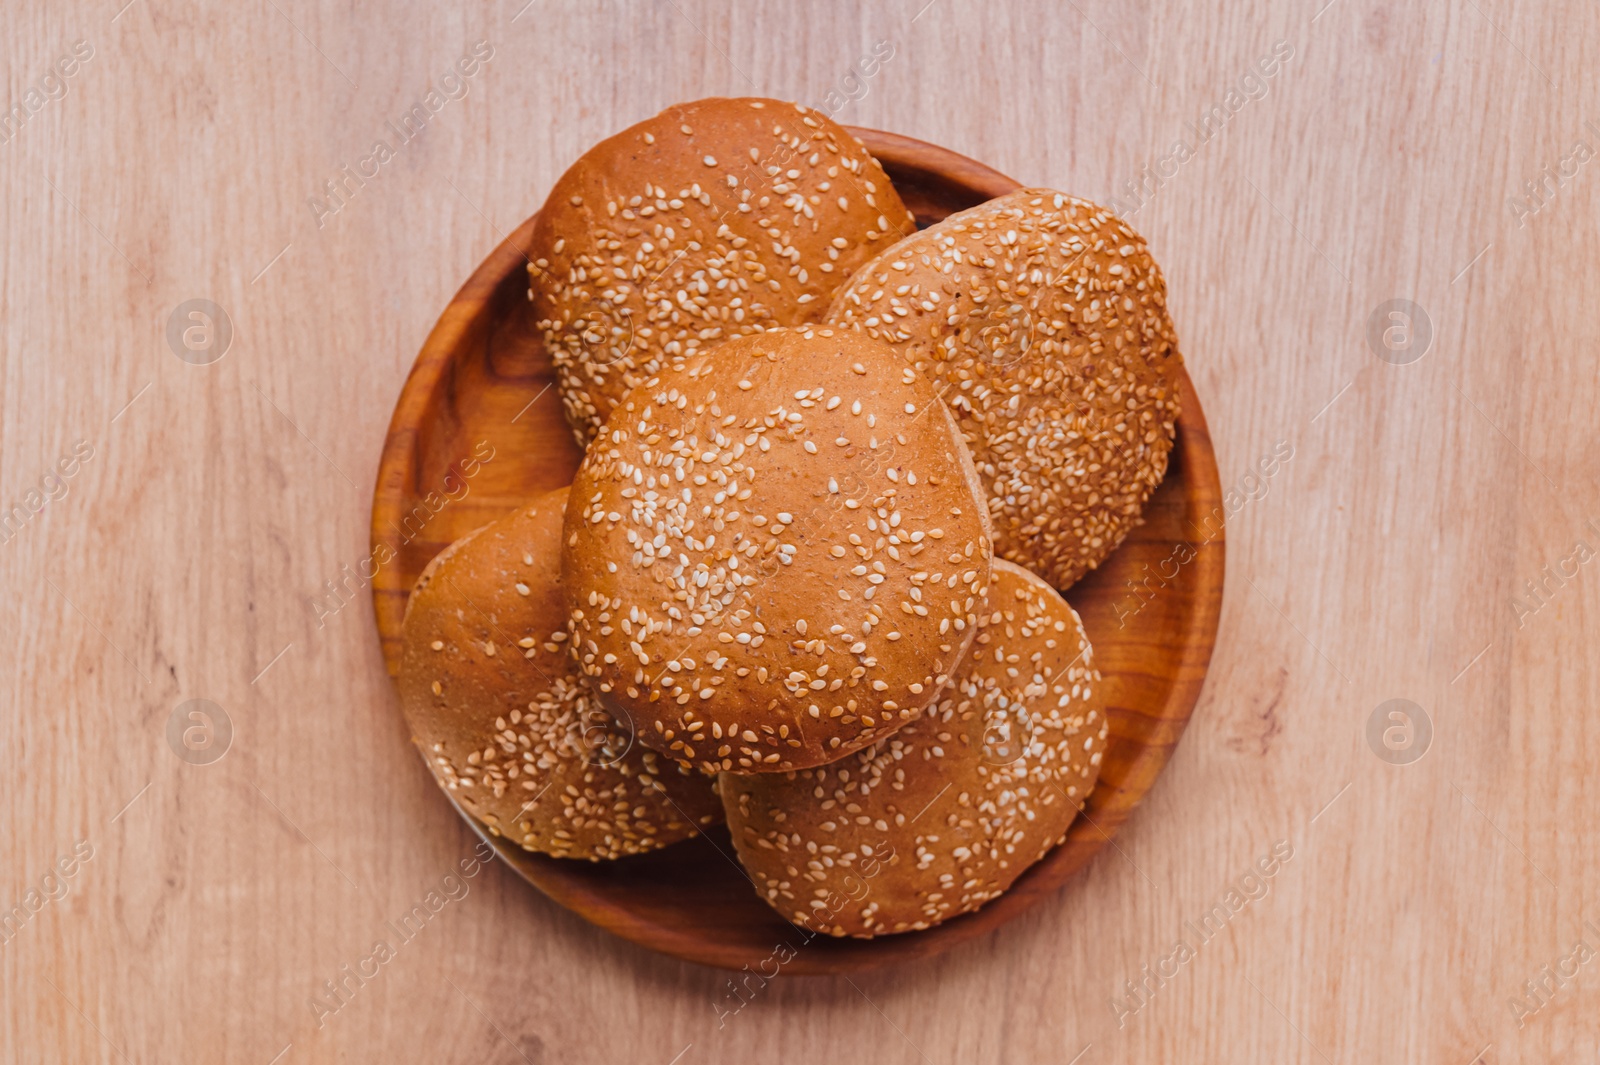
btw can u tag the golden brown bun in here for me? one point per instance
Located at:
(713, 219)
(774, 554)
(1044, 321)
(505, 720)
(944, 815)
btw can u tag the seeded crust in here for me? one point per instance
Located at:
(713, 219)
(1044, 320)
(505, 720)
(774, 554)
(944, 815)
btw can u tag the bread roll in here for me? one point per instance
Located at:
(945, 814)
(775, 551)
(1044, 321)
(713, 219)
(506, 721)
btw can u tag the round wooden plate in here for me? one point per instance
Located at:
(478, 429)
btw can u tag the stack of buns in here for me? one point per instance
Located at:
(806, 577)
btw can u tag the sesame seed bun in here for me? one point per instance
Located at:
(775, 553)
(945, 814)
(506, 721)
(1044, 320)
(713, 219)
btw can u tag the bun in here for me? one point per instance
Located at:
(1044, 321)
(945, 814)
(506, 721)
(775, 554)
(713, 219)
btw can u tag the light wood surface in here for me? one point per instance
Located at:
(1381, 563)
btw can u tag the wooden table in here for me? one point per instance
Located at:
(1427, 533)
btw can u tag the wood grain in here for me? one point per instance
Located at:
(1380, 562)
(485, 359)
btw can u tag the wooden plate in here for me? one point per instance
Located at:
(478, 429)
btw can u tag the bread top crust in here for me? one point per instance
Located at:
(713, 219)
(774, 554)
(505, 720)
(1044, 318)
(945, 814)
